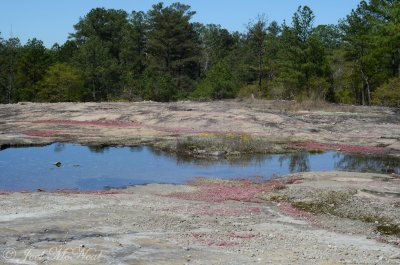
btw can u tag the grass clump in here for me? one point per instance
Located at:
(326, 203)
(224, 144)
(341, 204)
(389, 229)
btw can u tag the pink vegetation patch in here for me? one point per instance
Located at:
(243, 235)
(127, 124)
(221, 243)
(218, 192)
(93, 123)
(40, 133)
(235, 190)
(290, 210)
(315, 146)
(386, 240)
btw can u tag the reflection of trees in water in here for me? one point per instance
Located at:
(241, 160)
(357, 162)
(58, 147)
(98, 148)
(298, 162)
(135, 149)
(207, 161)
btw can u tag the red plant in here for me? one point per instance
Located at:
(40, 133)
(94, 123)
(221, 243)
(244, 236)
(242, 190)
(290, 210)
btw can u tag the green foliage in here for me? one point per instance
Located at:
(219, 83)
(33, 63)
(344, 96)
(388, 94)
(9, 51)
(256, 38)
(162, 55)
(156, 86)
(217, 44)
(61, 82)
(173, 44)
(249, 91)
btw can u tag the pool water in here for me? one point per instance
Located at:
(94, 168)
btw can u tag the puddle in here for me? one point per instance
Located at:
(94, 168)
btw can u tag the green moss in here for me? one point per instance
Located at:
(389, 229)
(330, 203)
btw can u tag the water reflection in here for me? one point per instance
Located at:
(98, 149)
(357, 162)
(298, 162)
(59, 147)
(102, 167)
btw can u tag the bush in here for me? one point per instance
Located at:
(247, 91)
(157, 86)
(219, 83)
(345, 96)
(61, 82)
(388, 94)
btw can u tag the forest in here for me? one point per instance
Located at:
(162, 55)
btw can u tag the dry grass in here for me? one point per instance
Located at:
(206, 144)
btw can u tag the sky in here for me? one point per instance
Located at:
(52, 20)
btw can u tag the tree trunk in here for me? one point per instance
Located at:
(259, 70)
(398, 62)
(94, 90)
(366, 86)
(9, 88)
(362, 94)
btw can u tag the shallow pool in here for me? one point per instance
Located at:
(94, 168)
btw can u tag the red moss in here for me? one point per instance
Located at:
(386, 240)
(128, 124)
(198, 235)
(221, 243)
(290, 210)
(243, 236)
(220, 193)
(40, 133)
(315, 146)
(92, 123)
(242, 190)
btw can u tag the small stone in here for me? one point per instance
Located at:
(57, 164)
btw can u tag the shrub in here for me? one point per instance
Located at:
(388, 94)
(247, 91)
(219, 83)
(61, 82)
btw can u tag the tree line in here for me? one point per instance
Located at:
(162, 55)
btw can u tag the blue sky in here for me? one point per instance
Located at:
(52, 20)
